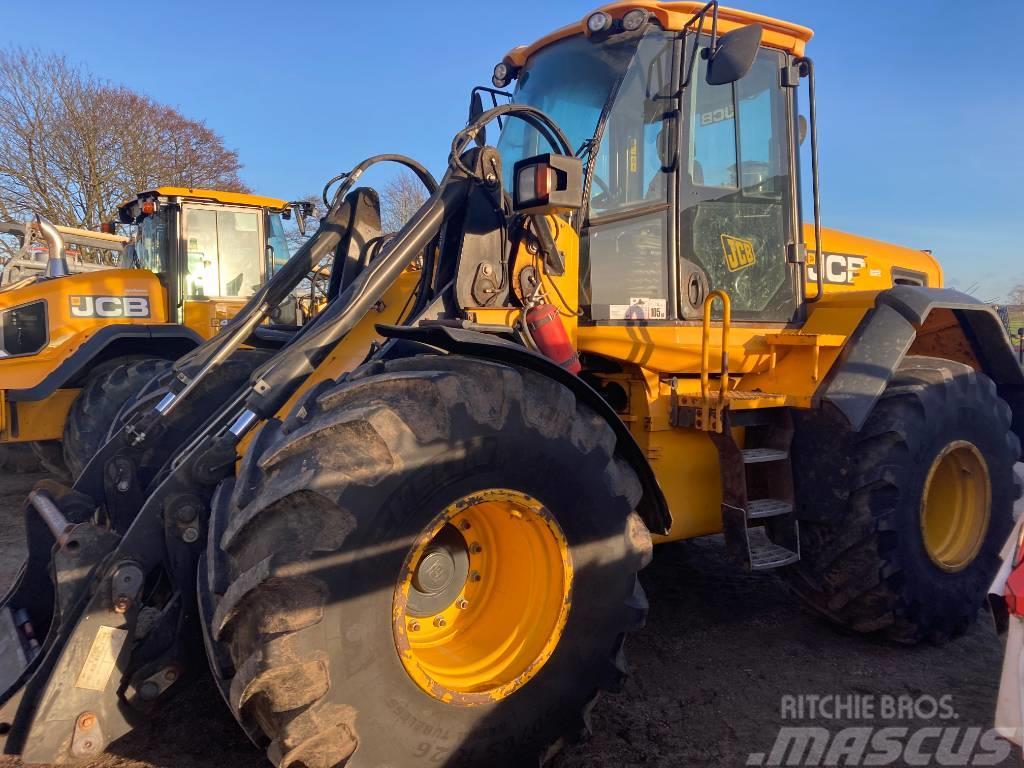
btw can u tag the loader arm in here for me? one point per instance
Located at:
(103, 576)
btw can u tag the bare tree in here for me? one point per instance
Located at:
(73, 147)
(1016, 295)
(400, 198)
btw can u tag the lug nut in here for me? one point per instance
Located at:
(465, 525)
(474, 576)
(475, 548)
(439, 621)
(414, 626)
(463, 604)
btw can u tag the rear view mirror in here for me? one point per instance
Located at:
(476, 108)
(734, 55)
(547, 184)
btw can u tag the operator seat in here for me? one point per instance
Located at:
(359, 244)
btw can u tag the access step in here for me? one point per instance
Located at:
(765, 554)
(762, 455)
(758, 509)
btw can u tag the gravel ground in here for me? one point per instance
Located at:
(710, 675)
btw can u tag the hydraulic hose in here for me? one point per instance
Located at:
(274, 382)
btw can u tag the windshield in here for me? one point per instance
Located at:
(570, 81)
(151, 243)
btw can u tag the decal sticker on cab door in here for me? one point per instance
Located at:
(739, 253)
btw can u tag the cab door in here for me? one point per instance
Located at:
(224, 261)
(628, 236)
(737, 194)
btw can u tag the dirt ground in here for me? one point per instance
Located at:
(709, 675)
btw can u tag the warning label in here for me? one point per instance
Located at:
(639, 308)
(102, 658)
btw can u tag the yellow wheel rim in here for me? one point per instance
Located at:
(483, 597)
(955, 506)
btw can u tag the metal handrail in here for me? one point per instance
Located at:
(705, 351)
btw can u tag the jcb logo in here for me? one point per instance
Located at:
(739, 253)
(840, 269)
(109, 306)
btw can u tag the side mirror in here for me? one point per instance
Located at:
(547, 184)
(476, 108)
(734, 55)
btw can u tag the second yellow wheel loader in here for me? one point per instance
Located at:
(409, 533)
(77, 344)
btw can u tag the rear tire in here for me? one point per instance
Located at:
(50, 454)
(866, 563)
(320, 523)
(98, 405)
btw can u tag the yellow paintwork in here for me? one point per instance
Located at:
(356, 346)
(44, 419)
(504, 623)
(210, 195)
(207, 316)
(67, 333)
(37, 419)
(785, 363)
(674, 16)
(879, 260)
(955, 506)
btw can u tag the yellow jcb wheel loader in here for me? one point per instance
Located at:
(410, 535)
(77, 344)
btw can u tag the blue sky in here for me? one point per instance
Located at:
(921, 115)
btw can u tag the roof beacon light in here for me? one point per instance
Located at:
(599, 22)
(635, 19)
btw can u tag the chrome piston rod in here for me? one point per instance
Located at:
(51, 514)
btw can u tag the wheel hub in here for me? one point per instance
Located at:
(955, 506)
(483, 597)
(440, 575)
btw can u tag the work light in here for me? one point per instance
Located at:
(502, 75)
(599, 22)
(635, 19)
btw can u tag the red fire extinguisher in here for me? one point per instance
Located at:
(548, 332)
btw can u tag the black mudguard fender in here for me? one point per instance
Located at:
(889, 332)
(653, 507)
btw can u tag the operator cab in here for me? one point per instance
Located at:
(689, 186)
(211, 249)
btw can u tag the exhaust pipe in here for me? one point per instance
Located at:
(56, 264)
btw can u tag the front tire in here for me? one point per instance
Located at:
(902, 523)
(328, 529)
(98, 404)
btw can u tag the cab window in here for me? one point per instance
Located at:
(625, 240)
(277, 243)
(151, 243)
(224, 252)
(735, 197)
